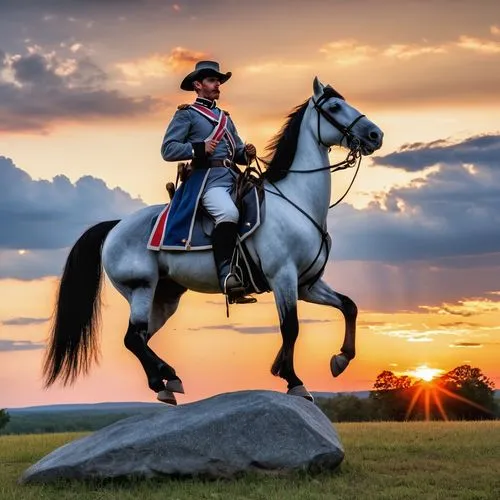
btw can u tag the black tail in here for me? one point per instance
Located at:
(73, 344)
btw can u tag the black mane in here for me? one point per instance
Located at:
(283, 145)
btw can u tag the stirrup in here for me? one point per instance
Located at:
(239, 289)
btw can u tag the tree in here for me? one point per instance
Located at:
(4, 418)
(471, 395)
(387, 381)
(390, 396)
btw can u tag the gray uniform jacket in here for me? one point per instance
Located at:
(185, 140)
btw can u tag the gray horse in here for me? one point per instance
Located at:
(292, 246)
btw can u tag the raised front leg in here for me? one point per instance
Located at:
(285, 294)
(321, 293)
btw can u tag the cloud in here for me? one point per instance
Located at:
(33, 264)
(44, 215)
(412, 334)
(270, 67)
(467, 307)
(479, 45)
(414, 72)
(459, 324)
(7, 345)
(405, 52)
(160, 65)
(466, 344)
(453, 211)
(37, 89)
(351, 51)
(253, 330)
(24, 321)
(348, 52)
(478, 150)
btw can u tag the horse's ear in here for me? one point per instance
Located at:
(317, 87)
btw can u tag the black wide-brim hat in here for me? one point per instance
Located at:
(203, 69)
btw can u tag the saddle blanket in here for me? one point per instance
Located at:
(183, 224)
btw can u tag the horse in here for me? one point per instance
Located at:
(292, 246)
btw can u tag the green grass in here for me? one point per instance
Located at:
(412, 460)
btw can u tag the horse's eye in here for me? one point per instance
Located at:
(334, 107)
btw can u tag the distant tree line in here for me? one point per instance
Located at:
(463, 393)
(42, 422)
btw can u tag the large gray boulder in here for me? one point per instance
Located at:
(215, 437)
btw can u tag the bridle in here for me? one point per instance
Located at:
(328, 93)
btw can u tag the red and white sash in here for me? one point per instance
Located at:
(220, 126)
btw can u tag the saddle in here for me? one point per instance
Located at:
(250, 200)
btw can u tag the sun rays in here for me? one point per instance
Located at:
(431, 392)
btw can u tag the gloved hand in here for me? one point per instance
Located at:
(251, 151)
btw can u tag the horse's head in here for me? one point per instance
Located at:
(335, 122)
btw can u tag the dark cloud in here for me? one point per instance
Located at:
(40, 215)
(42, 89)
(396, 286)
(32, 265)
(20, 345)
(453, 212)
(24, 321)
(459, 324)
(252, 330)
(69, 6)
(482, 150)
(466, 344)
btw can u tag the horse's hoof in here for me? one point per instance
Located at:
(338, 364)
(175, 386)
(300, 390)
(167, 397)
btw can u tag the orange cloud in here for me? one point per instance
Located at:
(181, 58)
(478, 45)
(348, 52)
(351, 51)
(401, 51)
(159, 65)
(274, 67)
(466, 307)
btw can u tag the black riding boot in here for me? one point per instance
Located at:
(224, 242)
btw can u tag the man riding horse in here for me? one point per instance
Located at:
(206, 135)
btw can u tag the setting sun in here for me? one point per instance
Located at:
(423, 372)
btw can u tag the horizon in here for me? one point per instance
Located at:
(86, 93)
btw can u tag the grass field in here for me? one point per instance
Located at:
(413, 460)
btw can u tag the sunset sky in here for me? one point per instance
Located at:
(87, 89)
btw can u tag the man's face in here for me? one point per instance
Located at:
(208, 88)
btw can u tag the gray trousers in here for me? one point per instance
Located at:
(217, 196)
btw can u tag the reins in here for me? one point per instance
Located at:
(353, 159)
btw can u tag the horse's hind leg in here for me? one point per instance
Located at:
(149, 310)
(321, 293)
(285, 294)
